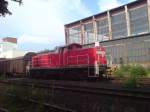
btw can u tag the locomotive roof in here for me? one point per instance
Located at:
(74, 44)
(57, 48)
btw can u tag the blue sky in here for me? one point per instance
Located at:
(39, 24)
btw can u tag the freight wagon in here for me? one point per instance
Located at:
(16, 66)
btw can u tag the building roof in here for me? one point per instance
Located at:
(131, 4)
(10, 39)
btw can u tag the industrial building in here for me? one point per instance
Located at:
(7, 44)
(8, 48)
(124, 31)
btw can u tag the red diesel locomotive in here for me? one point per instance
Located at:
(70, 62)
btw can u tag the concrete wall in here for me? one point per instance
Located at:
(12, 54)
(6, 46)
(135, 49)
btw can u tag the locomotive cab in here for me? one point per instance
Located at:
(100, 61)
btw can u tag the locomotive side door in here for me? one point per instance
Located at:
(97, 63)
(99, 56)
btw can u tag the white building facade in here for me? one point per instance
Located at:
(9, 49)
(12, 54)
(7, 46)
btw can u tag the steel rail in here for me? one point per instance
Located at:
(97, 91)
(3, 110)
(49, 106)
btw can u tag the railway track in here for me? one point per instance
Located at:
(49, 107)
(143, 81)
(3, 110)
(115, 92)
(71, 90)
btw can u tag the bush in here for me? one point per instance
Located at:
(133, 73)
(138, 71)
(130, 83)
(148, 70)
(122, 71)
(2, 77)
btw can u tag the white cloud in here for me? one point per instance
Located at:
(107, 4)
(33, 39)
(79, 7)
(110, 4)
(41, 21)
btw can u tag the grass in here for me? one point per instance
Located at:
(2, 77)
(14, 104)
(148, 71)
(133, 73)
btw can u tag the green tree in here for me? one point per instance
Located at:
(4, 7)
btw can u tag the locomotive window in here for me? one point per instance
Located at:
(101, 53)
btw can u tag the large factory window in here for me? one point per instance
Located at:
(132, 50)
(139, 20)
(138, 52)
(75, 35)
(119, 26)
(102, 29)
(88, 33)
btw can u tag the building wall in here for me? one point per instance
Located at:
(10, 39)
(6, 46)
(12, 54)
(128, 20)
(134, 49)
